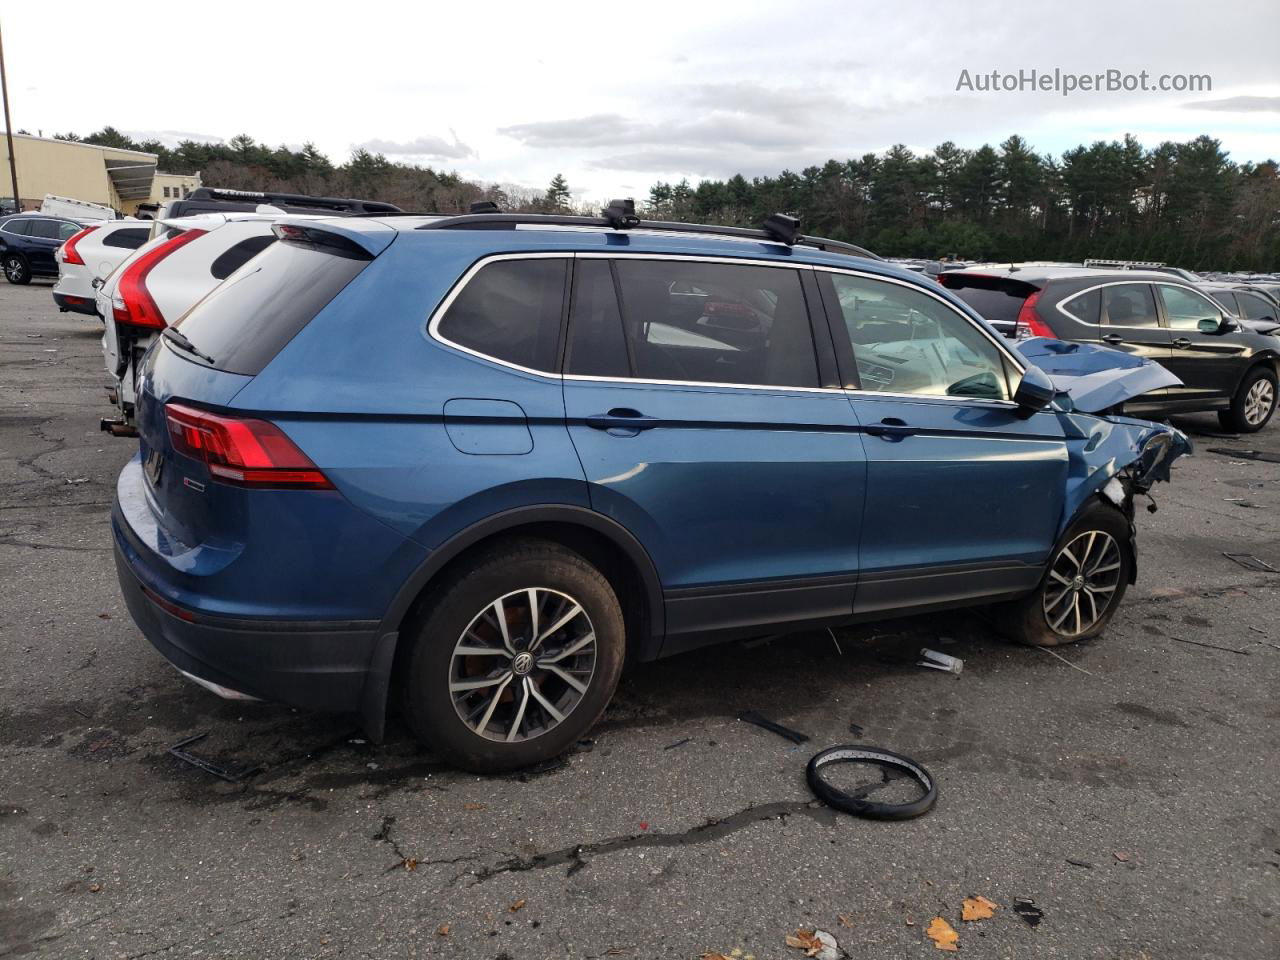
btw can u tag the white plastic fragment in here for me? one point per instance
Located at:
(1114, 491)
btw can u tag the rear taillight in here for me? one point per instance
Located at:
(1029, 323)
(241, 451)
(69, 252)
(132, 303)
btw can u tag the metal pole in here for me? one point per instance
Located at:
(8, 129)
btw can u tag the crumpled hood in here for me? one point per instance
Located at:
(1094, 378)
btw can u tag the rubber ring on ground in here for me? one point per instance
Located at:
(861, 807)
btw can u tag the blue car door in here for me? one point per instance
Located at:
(710, 423)
(964, 491)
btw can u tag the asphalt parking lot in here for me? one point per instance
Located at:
(1133, 796)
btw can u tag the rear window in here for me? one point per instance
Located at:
(130, 238)
(237, 255)
(245, 321)
(995, 301)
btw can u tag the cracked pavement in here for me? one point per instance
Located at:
(1135, 803)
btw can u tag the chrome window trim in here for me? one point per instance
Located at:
(1059, 306)
(433, 326)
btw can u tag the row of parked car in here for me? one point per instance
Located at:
(468, 466)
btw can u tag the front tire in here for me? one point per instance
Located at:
(1082, 586)
(16, 269)
(515, 658)
(1253, 404)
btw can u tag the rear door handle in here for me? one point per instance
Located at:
(1182, 343)
(1113, 338)
(622, 418)
(890, 428)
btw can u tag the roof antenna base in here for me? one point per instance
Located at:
(782, 228)
(621, 214)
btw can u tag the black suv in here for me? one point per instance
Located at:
(28, 242)
(1223, 366)
(1254, 307)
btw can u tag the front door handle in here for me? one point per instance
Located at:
(1182, 343)
(1113, 338)
(622, 419)
(890, 428)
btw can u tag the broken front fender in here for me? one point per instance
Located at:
(1136, 453)
(1094, 378)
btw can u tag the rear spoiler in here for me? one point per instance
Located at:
(360, 239)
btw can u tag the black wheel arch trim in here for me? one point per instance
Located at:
(378, 681)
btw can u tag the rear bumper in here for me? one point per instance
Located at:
(316, 665)
(85, 305)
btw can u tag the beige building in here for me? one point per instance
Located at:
(121, 179)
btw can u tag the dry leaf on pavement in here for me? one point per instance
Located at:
(805, 940)
(943, 935)
(518, 905)
(472, 805)
(442, 930)
(977, 908)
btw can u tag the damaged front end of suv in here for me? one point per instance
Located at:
(1110, 455)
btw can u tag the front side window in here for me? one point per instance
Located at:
(1129, 305)
(511, 310)
(1187, 309)
(716, 323)
(906, 342)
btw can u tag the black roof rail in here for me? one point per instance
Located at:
(342, 204)
(622, 219)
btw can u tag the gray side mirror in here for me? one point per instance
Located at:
(1035, 390)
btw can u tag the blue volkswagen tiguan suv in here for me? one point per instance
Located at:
(481, 461)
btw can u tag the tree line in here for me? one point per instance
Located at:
(1182, 203)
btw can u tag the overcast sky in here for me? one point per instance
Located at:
(618, 95)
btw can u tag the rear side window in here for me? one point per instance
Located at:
(511, 310)
(716, 323)
(1129, 305)
(237, 255)
(130, 238)
(1255, 307)
(18, 226)
(1084, 307)
(52, 229)
(245, 321)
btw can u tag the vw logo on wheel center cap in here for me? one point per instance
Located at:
(522, 664)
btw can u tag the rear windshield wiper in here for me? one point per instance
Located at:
(177, 337)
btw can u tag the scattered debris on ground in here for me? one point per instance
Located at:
(1250, 562)
(1079, 863)
(751, 716)
(892, 767)
(1266, 456)
(678, 743)
(1211, 646)
(1073, 666)
(816, 943)
(940, 661)
(1026, 908)
(236, 774)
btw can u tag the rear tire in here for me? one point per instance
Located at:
(1082, 586)
(16, 269)
(1253, 404)
(486, 693)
